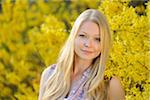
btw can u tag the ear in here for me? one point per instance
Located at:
(116, 91)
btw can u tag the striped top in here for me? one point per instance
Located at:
(77, 90)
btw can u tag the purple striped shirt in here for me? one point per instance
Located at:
(77, 90)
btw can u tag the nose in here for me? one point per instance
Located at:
(88, 43)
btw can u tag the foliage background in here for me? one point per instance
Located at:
(33, 31)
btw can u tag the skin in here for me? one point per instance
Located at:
(87, 47)
(116, 91)
(84, 59)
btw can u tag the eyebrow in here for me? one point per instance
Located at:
(86, 33)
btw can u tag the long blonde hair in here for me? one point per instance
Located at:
(58, 84)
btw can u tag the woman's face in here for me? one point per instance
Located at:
(87, 41)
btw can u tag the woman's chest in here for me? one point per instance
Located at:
(78, 88)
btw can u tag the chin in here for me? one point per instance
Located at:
(88, 57)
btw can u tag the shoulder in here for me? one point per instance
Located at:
(48, 71)
(116, 91)
(44, 77)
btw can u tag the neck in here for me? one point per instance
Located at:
(80, 65)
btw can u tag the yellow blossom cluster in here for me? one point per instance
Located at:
(129, 57)
(33, 31)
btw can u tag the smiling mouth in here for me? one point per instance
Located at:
(86, 51)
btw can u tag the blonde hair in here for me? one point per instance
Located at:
(58, 85)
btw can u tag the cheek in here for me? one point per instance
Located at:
(78, 43)
(98, 48)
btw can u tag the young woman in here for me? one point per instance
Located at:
(79, 71)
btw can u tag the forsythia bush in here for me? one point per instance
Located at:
(29, 41)
(129, 58)
(32, 33)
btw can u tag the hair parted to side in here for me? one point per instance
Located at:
(58, 84)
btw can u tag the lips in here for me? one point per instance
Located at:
(86, 51)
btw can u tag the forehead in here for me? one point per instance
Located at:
(90, 27)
